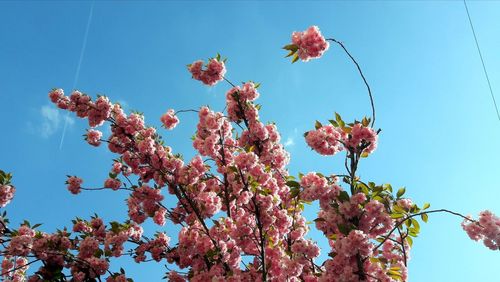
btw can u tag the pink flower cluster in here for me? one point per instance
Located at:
(112, 183)
(74, 184)
(486, 229)
(169, 119)
(94, 137)
(361, 139)
(144, 202)
(21, 244)
(157, 247)
(213, 135)
(117, 278)
(235, 202)
(6, 194)
(311, 44)
(329, 140)
(96, 112)
(86, 254)
(237, 99)
(325, 140)
(214, 71)
(14, 269)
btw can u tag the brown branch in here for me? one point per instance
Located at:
(362, 76)
(417, 214)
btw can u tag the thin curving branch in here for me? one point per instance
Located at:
(362, 76)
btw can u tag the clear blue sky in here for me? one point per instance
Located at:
(440, 133)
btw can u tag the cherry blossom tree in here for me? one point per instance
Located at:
(239, 209)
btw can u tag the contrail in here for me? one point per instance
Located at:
(77, 74)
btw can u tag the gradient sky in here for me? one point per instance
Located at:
(439, 128)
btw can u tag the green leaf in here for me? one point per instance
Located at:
(295, 58)
(293, 184)
(216, 223)
(343, 196)
(317, 125)
(333, 122)
(401, 192)
(365, 122)
(364, 189)
(397, 215)
(409, 240)
(344, 229)
(387, 187)
(338, 118)
(415, 223)
(424, 217)
(408, 223)
(291, 47)
(426, 206)
(332, 254)
(413, 232)
(398, 209)
(115, 226)
(290, 54)
(342, 125)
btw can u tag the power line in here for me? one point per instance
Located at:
(482, 60)
(77, 73)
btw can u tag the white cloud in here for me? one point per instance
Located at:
(51, 120)
(289, 142)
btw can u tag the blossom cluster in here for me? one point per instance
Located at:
(487, 229)
(329, 140)
(308, 44)
(6, 194)
(235, 202)
(169, 119)
(213, 72)
(85, 254)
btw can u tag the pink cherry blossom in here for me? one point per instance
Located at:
(94, 137)
(74, 184)
(169, 119)
(6, 194)
(486, 229)
(311, 44)
(214, 71)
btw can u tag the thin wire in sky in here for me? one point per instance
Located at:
(77, 73)
(482, 60)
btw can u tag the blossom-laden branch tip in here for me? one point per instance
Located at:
(212, 73)
(6, 189)
(306, 45)
(169, 119)
(486, 229)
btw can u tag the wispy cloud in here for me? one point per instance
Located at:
(289, 142)
(51, 120)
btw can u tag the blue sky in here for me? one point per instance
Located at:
(440, 131)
